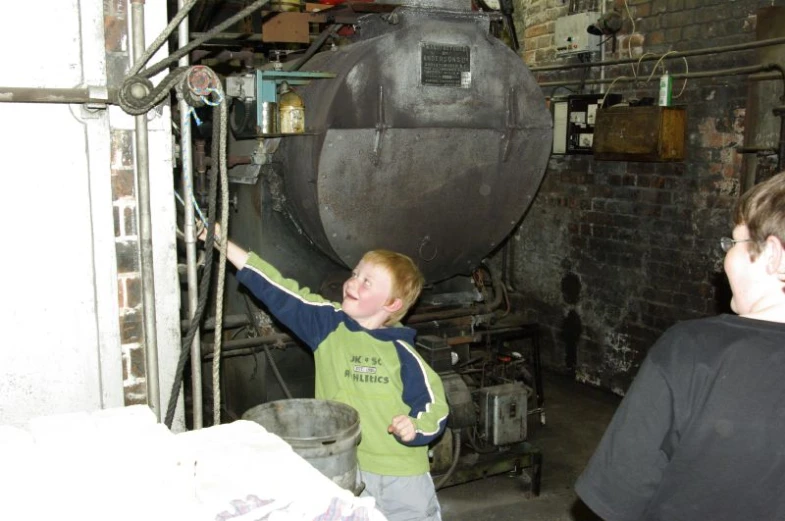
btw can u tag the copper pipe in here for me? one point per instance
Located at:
(201, 161)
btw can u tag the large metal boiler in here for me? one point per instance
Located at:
(431, 139)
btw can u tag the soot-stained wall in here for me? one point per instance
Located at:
(612, 253)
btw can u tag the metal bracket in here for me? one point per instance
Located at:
(267, 84)
(265, 89)
(510, 125)
(381, 126)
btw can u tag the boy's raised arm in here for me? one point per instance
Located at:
(236, 255)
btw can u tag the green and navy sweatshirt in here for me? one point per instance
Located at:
(376, 371)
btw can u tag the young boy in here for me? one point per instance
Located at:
(366, 359)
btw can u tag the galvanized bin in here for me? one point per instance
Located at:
(325, 433)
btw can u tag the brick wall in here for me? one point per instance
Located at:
(129, 278)
(612, 253)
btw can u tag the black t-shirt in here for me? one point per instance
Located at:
(700, 435)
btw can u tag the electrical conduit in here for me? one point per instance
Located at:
(145, 229)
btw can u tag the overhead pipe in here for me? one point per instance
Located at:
(145, 228)
(250, 37)
(737, 71)
(672, 55)
(245, 56)
(189, 230)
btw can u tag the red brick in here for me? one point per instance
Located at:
(536, 30)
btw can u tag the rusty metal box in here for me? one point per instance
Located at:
(503, 413)
(435, 351)
(623, 133)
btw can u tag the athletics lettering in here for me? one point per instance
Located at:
(370, 378)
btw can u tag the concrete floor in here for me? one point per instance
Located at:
(576, 417)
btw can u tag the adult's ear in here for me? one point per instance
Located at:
(393, 306)
(775, 253)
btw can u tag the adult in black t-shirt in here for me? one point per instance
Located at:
(700, 435)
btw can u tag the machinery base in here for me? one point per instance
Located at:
(522, 459)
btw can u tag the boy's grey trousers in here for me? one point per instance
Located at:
(403, 498)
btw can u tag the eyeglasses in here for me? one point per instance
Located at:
(726, 243)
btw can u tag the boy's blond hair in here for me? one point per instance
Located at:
(762, 210)
(407, 281)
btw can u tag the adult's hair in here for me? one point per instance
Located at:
(407, 281)
(762, 210)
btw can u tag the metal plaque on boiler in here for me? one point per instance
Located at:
(446, 65)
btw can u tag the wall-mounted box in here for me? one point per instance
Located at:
(574, 119)
(571, 36)
(623, 133)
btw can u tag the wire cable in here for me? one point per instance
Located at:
(148, 53)
(204, 288)
(617, 78)
(179, 53)
(456, 455)
(684, 85)
(654, 69)
(637, 67)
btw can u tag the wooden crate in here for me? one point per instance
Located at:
(640, 134)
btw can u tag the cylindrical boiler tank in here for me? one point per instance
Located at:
(431, 140)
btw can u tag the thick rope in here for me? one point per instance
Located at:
(138, 96)
(223, 118)
(137, 106)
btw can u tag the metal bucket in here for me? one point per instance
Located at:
(325, 433)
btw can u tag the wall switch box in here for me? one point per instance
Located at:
(574, 120)
(571, 36)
